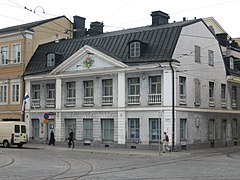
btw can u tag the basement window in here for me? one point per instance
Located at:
(50, 59)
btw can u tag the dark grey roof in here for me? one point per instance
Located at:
(27, 26)
(159, 44)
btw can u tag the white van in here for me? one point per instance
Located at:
(13, 133)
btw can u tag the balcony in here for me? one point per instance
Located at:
(50, 102)
(36, 103)
(154, 99)
(70, 102)
(88, 101)
(133, 99)
(107, 100)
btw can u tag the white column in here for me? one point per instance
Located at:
(59, 130)
(121, 106)
(58, 93)
(167, 103)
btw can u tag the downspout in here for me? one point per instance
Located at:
(23, 94)
(173, 107)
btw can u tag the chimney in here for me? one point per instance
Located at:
(95, 28)
(159, 18)
(79, 27)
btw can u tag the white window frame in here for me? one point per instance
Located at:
(51, 89)
(210, 58)
(36, 93)
(223, 96)
(197, 53)
(133, 129)
(134, 90)
(88, 129)
(107, 129)
(234, 96)
(211, 129)
(182, 90)
(71, 93)
(3, 92)
(231, 63)
(4, 55)
(16, 53)
(88, 92)
(183, 129)
(211, 93)
(135, 48)
(154, 129)
(107, 91)
(15, 91)
(51, 58)
(154, 96)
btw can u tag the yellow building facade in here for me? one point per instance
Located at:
(17, 44)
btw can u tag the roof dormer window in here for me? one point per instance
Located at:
(135, 49)
(50, 59)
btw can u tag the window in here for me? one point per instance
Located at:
(154, 90)
(223, 95)
(88, 92)
(182, 89)
(133, 129)
(88, 129)
(234, 96)
(197, 54)
(231, 62)
(210, 57)
(154, 129)
(107, 92)
(15, 92)
(16, 53)
(235, 129)
(4, 55)
(50, 59)
(36, 95)
(71, 94)
(50, 101)
(107, 130)
(183, 129)
(211, 93)
(133, 91)
(3, 93)
(17, 128)
(134, 49)
(211, 129)
(197, 92)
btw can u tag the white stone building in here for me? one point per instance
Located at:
(126, 88)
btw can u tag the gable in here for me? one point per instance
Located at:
(87, 58)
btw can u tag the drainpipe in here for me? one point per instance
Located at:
(173, 107)
(23, 94)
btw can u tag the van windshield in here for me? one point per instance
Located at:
(23, 129)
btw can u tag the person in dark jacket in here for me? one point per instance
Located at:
(71, 139)
(52, 139)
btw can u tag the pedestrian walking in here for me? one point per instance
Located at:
(71, 139)
(52, 139)
(165, 143)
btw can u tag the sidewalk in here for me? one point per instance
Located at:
(129, 152)
(106, 150)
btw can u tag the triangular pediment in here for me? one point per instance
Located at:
(87, 58)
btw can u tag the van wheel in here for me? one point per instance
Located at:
(19, 145)
(5, 144)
